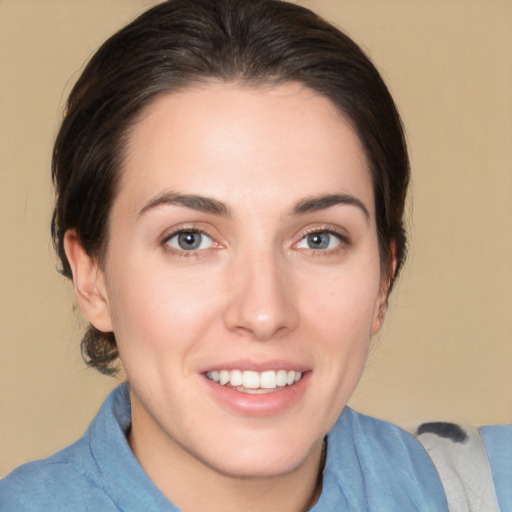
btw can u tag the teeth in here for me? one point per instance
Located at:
(251, 380)
(223, 377)
(235, 378)
(268, 380)
(281, 377)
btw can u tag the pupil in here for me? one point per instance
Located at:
(318, 240)
(189, 240)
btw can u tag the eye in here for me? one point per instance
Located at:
(320, 240)
(189, 240)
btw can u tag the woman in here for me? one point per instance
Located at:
(230, 180)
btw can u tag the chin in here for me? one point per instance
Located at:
(254, 460)
(257, 469)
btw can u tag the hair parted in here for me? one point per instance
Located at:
(180, 43)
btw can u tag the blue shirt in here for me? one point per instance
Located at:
(498, 444)
(371, 466)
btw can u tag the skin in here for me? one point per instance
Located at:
(255, 291)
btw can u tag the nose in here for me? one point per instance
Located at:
(262, 302)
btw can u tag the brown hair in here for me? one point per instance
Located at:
(179, 43)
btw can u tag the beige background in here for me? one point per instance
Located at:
(446, 350)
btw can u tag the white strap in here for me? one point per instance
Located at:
(464, 471)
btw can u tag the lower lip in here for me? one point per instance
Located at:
(261, 404)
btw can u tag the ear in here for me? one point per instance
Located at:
(381, 304)
(88, 282)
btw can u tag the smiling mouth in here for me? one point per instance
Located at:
(255, 382)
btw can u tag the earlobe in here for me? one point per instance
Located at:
(88, 282)
(381, 306)
(379, 316)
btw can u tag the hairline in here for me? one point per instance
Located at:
(203, 82)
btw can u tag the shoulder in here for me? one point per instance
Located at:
(498, 443)
(373, 436)
(497, 440)
(57, 483)
(74, 478)
(96, 473)
(391, 464)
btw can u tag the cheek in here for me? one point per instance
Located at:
(340, 324)
(344, 301)
(151, 306)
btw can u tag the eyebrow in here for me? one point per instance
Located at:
(216, 207)
(195, 202)
(314, 204)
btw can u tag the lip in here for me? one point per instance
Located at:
(257, 366)
(262, 405)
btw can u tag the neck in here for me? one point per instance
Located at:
(193, 486)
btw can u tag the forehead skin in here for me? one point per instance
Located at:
(198, 123)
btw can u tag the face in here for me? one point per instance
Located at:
(242, 276)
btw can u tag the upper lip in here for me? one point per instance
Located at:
(256, 366)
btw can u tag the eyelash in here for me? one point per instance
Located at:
(192, 253)
(343, 239)
(343, 242)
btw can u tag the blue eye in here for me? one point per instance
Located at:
(319, 240)
(189, 241)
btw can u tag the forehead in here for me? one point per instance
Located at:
(229, 140)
